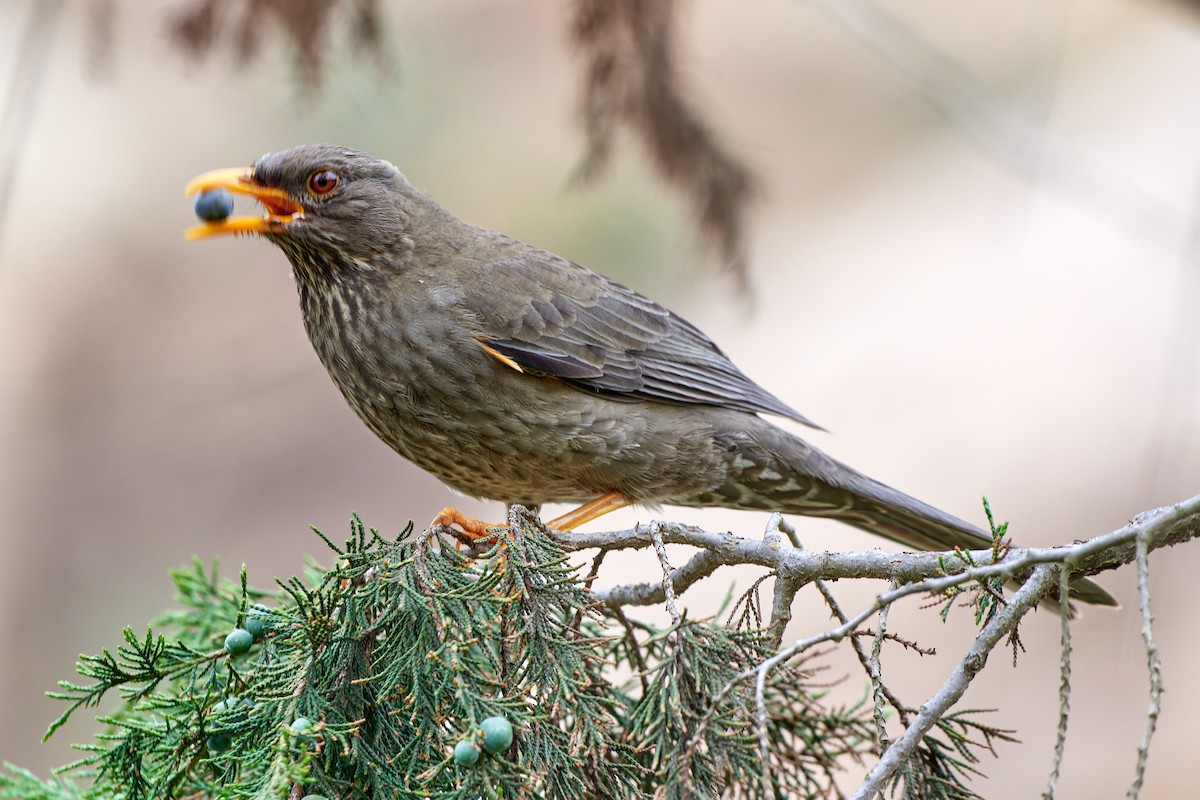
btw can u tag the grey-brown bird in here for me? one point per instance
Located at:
(513, 374)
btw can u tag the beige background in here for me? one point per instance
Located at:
(961, 329)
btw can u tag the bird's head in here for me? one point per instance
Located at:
(316, 198)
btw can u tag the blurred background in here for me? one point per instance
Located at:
(973, 258)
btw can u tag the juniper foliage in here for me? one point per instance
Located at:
(365, 676)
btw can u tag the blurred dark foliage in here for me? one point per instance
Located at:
(202, 26)
(630, 79)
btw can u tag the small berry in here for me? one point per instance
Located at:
(466, 753)
(219, 742)
(214, 205)
(301, 726)
(256, 625)
(313, 797)
(238, 641)
(232, 704)
(497, 734)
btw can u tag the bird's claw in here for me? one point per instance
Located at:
(474, 528)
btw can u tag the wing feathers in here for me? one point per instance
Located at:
(606, 338)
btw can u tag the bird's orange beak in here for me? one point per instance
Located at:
(281, 208)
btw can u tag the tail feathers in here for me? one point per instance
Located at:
(834, 490)
(881, 510)
(893, 515)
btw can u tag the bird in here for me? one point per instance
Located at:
(514, 374)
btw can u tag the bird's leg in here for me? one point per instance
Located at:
(478, 529)
(588, 512)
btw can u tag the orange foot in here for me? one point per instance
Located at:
(478, 529)
(473, 528)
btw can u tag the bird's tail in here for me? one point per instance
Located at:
(806, 481)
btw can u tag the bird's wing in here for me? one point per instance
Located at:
(603, 337)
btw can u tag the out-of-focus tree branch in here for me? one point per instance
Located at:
(631, 81)
(21, 100)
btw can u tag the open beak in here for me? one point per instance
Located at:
(280, 208)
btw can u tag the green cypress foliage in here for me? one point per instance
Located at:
(364, 678)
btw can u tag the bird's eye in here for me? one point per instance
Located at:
(322, 181)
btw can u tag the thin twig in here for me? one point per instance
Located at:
(875, 671)
(863, 659)
(588, 580)
(1064, 686)
(668, 584)
(635, 650)
(1153, 663)
(1004, 621)
(764, 739)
